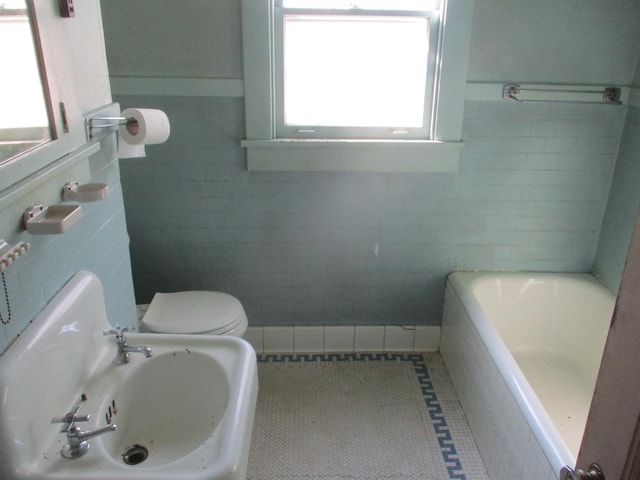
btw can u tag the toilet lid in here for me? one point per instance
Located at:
(193, 312)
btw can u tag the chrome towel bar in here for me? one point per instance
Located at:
(608, 95)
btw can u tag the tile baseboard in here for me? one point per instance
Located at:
(351, 338)
(365, 338)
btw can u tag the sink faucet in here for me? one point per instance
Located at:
(122, 355)
(77, 440)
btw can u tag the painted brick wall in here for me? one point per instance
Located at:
(98, 242)
(622, 207)
(341, 249)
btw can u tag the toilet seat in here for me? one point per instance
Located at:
(195, 312)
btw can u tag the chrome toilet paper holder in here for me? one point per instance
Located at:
(94, 123)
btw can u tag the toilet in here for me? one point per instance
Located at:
(195, 312)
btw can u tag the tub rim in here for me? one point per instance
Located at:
(539, 421)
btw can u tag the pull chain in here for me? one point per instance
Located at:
(5, 321)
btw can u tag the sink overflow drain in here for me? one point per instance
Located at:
(135, 455)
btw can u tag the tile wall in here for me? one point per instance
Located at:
(98, 242)
(507, 445)
(622, 208)
(358, 338)
(300, 247)
(364, 249)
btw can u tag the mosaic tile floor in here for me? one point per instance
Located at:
(358, 416)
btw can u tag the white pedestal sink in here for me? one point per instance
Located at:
(186, 412)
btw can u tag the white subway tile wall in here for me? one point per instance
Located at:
(338, 339)
(277, 339)
(314, 339)
(369, 338)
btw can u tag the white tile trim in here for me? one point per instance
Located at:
(399, 338)
(359, 338)
(305, 339)
(277, 339)
(427, 338)
(338, 339)
(369, 338)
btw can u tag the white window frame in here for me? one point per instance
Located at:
(59, 79)
(266, 152)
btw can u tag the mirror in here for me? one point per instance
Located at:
(24, 116)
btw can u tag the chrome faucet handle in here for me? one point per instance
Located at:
(70, 418)
(78, 443)
(118, 331)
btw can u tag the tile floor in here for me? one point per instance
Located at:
(359, 416)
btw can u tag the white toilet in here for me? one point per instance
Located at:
(195, 312)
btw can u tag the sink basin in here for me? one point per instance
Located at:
(172, 421)
(186, 412)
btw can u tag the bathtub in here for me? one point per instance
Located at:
(523, 351)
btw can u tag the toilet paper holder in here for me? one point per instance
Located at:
(93, 123)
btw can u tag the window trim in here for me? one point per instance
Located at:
(58, 77)
(266, 152)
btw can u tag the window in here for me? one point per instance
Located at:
(372, 85)
(345, 72)
(24, 120)
(41, 118)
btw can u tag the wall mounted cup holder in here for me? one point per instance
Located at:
(89, 192)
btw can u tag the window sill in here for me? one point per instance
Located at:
(293, 155)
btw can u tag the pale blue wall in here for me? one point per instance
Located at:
(623, 204)
(622, 207)
(298, 248)
(98, 242)
(587, 42)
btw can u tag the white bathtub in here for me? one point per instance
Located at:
(523, 351)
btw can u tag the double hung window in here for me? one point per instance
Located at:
(355, 85)
(347, 70)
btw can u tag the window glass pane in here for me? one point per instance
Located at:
(420, 5)
(24, 121)
(349, 71)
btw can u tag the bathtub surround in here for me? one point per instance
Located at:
(508, 446)
(361, 415)
(314, 249)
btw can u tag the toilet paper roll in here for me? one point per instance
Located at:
(152, 126)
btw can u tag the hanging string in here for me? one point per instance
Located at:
(5, 321)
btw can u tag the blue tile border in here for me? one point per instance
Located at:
(438, 420)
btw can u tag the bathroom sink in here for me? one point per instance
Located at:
(157, 412)
(186, 412)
